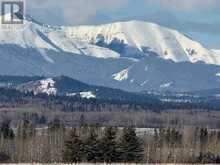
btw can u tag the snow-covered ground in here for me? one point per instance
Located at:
(47, 86)
(86, 95)
(166, 85)
(217, 51)
(123, 75)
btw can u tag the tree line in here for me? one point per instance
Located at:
(97, 144)
(106, 148)
(15, 98)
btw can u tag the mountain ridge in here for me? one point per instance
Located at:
(41, 50)
(63, 86)
(167, 43)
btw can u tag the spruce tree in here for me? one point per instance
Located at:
(130, 146)
(162, 134)
(92, 149)
(56, 125)
(4, 158)
(6, 131)
(203, 139)
(26, 129)
(109, 147)
(74, 148)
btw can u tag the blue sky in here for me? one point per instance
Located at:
(199, 19)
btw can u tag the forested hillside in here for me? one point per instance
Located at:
(47, 129)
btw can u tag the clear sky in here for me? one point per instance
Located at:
(199, 19)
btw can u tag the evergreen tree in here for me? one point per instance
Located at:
(196, 135)
(130, 146)
(162, 134)
(82, 121)
(109, 147)
(26, 129)
(74, 148)
(92, 149)
(176, 138)
(203, 139)
(84, 128)
(168, 136)
(56, 125)
(5, 130)
(4, 158)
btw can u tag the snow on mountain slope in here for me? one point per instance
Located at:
(54, 86)
(53, 51)
(165, 75)
(41, 37)
(123, 75)
(216, 51)
(47, 86)
(169, 44)
(66, 44)
(25, 38)
(87, 95)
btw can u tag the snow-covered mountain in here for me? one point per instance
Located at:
(133, 56)
(141, 36)
(167, 43)
(44, 37)
(216, 51)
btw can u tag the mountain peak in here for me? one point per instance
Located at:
(138, 36)
(75, 52)
(167, 43)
